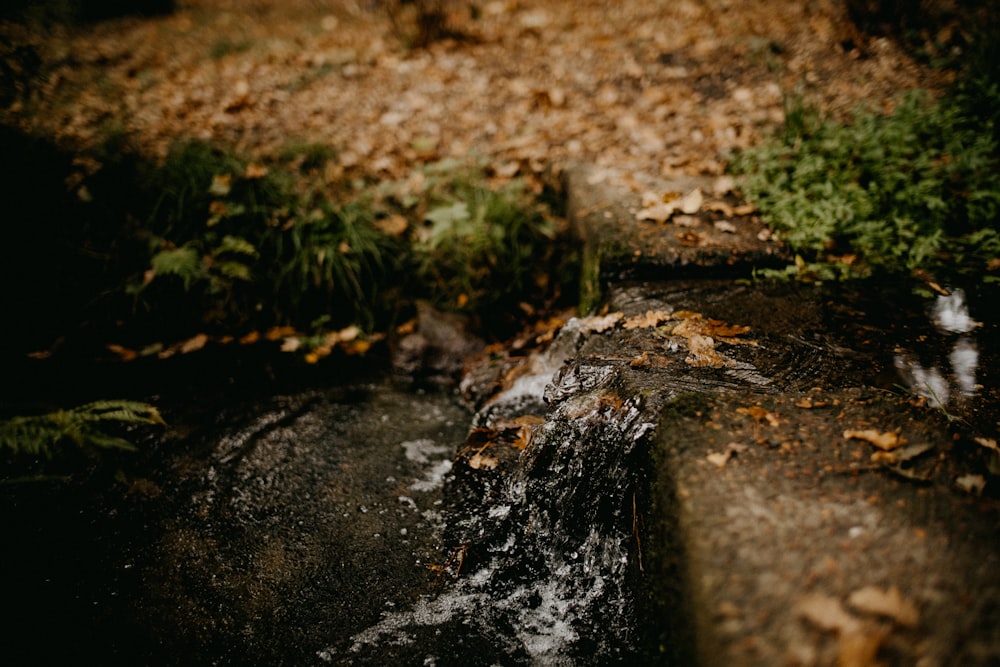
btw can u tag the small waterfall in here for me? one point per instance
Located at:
(544, 549)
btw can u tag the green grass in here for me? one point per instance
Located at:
(917, 190)
(211, 242)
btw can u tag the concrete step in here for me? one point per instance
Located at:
(803, 512)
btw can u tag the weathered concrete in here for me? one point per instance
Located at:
(776, 538)
(605, 209)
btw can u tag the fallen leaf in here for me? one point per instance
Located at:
(250, 338)
(886, 441)
(393, 225)
(691, 202)
(221, 184)
(660, 208)
(758, 413)
(528, 420)
(124, 353)
(479, 461)
(720, 207)
(973, 484)
(279, 333)
(722, 458)
(859, 648)
(647, 320)
(857, 644)
(725, 226)
(255, 170)
(889, 603)
(600, 323)
(719, 458)
(703, 353)
(988, 443)
(826, 613)
(723, 185)
(193, 344)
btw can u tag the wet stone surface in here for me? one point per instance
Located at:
(267, 537)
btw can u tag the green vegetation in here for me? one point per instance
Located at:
(479, 248)
(209, 242)
(917, 190)
(138, 257)
(29, 443)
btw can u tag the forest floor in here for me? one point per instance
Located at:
(658, 88)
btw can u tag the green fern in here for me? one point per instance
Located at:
(83, 427)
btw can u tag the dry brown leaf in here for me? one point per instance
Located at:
(758, 414)
(826, 613)
(692, 201)
(859, 648)
(600, 323)
(703, 353)
(887, 441)
(858, 644)
(720, 329)
(393, 225)
(647, 320)
(479, 462)
(973, 484)
(889, 603)
(988, 443)
(255, 170)
(279, 333)
(720, 207)
(725, 226)
(528, 420)
(221, 184)
(661, 208)
(250, 338)
(723, 185)
(193, 344)
(719, 458)
(124, 353)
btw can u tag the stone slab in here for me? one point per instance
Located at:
(605, 206)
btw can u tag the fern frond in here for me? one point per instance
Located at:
(82, 426)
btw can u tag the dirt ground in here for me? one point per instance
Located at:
(660, 88)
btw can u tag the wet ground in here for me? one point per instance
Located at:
(374, 522)
(258, 536)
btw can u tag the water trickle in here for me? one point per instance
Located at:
(952, 319)
(543, 560)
